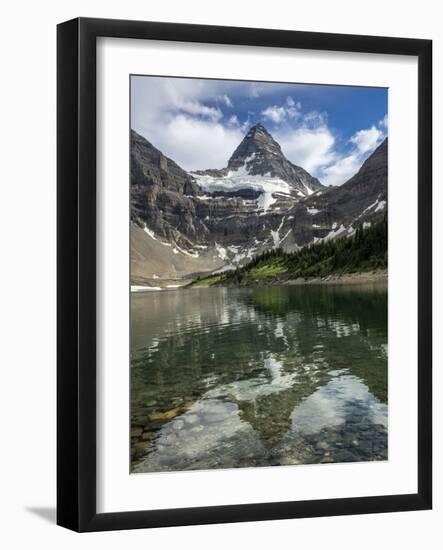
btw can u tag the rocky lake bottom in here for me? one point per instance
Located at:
(263, 376)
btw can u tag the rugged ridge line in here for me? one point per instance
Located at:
(203, 221)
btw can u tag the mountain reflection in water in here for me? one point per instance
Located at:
(226, 377)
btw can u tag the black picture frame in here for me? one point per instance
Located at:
(76, 280)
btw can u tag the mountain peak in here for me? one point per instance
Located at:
(260, 134)
(258, 144)
(259, 154)
(258, 129)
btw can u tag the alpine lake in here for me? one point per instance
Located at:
(261, 376)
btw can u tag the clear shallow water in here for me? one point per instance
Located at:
(277, 375)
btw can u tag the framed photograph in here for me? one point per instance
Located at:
(244, 274)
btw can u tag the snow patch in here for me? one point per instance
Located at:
(332, 234)
(276, 234)
(289, 230)
(312, 210)
(380, 206)
(242, 170)
(373, 205)
(192, 254)
(221, 252)
(308, 189)
(206, 197)
(152, 235)
(239, 179)
(265, 201)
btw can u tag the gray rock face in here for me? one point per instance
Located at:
(161, 194)
(337, 211)
(150, 167)
(216, 218)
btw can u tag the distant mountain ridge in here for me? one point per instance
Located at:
(185, 224)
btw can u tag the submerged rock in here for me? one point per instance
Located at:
(166, 415)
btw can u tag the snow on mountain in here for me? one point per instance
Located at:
(239, 180)
(259, 165)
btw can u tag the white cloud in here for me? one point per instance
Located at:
(178, 117)
(367, 140)
(274, 113)
(314, 119)
(384, 122)
(196, 108)
(185, 119)
(345, 166)
(280, 113)
(341, 170)
(226, 100)
(313, 146)
(310, 148)
(254, 90)
(197, 143)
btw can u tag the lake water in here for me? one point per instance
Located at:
(242, 377)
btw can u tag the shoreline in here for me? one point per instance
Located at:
(361, 277)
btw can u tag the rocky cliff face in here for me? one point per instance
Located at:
(162, 195)
(337, 211)
(217, 219)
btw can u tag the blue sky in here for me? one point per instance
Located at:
(328, 130)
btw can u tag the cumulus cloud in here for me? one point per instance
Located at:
(367, 140)
(311, 148)
(341, 169)
(226, 100)
(314, 146)
(314, 119)
(197, 143)
(279, 113)
(364, 142)
(274, 113)
(178, 116)
(384, 122)
(309, 143)
(196, 108)
(192, 121)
